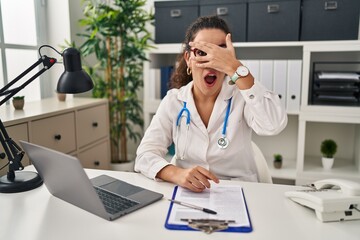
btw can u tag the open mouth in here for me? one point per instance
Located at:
(210, 78)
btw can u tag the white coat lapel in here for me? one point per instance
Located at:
(219, 111)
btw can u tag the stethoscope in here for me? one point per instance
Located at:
(222, 142)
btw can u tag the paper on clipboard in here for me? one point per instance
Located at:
(227, 200)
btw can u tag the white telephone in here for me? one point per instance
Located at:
(332, 199)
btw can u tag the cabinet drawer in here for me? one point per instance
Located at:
(330, 20)
(96, 157)
(273, 20)
(55, 132)
(234, 12)
(172, 18)
(15, 132)
(92, 124)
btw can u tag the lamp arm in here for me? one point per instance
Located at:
(13, 151)
(20, 76)
(47, 62)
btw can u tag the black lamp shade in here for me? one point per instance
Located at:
(74, 79)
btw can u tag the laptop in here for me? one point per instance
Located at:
(103, 196)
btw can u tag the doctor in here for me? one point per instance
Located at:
(210, 114)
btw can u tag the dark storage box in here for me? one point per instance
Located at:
(271, 20)
(335, 83)
(234, 12)
(332, 91)
(330, 19)
(172, 18)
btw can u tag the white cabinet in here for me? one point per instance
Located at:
(290, 64)
(78, 127)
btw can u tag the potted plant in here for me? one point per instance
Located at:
(116, 32)
(278, 160)
(18, 102)
(328, 149)
(61, 96)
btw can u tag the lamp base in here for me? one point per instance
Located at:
(24, 181)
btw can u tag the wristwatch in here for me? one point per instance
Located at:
(240, 72)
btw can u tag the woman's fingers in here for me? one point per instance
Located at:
(209, 175)
(197, 179)
(229, 44)
(220, 58)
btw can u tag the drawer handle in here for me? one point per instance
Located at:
(330, 5)
(97, 163)
(293, 97)
(221, 11)
(95, 124)
(175, 13)
(280, 96)
(273, 8)
(57, 137)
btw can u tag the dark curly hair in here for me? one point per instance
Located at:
(179, 77)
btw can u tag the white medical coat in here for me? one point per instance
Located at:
(255, 109)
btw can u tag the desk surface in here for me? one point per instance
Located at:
(37, 215)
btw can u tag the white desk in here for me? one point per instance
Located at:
(37, 215)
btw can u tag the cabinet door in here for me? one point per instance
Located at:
(16, 132)
(96, 157)
(56, 132)
(92, 124)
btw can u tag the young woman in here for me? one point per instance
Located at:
(210, 114)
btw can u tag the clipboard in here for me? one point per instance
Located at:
(208, 225)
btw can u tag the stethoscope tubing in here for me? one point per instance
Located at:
(186, 110)
(226, 117)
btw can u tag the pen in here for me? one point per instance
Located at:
(193, 206)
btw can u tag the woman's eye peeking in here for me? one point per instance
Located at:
(198, 52)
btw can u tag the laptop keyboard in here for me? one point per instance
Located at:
(114, 203)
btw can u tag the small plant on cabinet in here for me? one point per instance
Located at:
(18, 102)
(328, 149)
(278, 160)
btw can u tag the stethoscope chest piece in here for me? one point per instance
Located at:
(223, 142)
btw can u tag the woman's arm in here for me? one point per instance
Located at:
(196, 179)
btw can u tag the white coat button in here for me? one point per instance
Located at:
(251, 96)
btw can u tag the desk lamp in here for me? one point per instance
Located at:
(73, 80)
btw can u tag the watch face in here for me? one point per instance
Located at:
(242, 71)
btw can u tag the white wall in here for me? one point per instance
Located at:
(58, 29)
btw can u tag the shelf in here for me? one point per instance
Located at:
(331, 114)
(287, 171)
(314, 46)
(333, 46)
(342, 168)
(168, 48)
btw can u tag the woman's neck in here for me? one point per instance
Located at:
(204, 105)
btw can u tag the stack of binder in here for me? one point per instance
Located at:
(336, 88)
